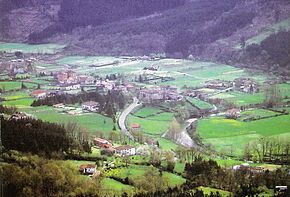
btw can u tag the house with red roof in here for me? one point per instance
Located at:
(39, 94)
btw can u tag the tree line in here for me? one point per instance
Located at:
(109, 103)
(242, 182)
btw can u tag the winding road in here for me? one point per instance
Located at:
(123, 117)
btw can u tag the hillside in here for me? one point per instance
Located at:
(227, 31)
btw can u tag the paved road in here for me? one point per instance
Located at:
(123, 117)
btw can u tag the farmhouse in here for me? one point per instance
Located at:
(19, 116)
(246, 85)
(86, 80)
(233, 113)
(87, 169)
(91, 106)
(66, 77)
(125, 150)
(70, 86)
(218, 84)
(159, 94)
(60, 105)
(39, 94)
(102, 143)
(135, 127)
(152, 68)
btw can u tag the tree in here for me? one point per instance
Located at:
(155, 158)
(242, 42)
(174, 129)
(273, 96)
(169, 156)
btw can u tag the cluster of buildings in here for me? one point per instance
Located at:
(18, 66)
(125, 150)
(246, 85)
(162, 93)
(91, 106)
(218, 84)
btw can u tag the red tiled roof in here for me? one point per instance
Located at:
(36, 92)
(135, 126)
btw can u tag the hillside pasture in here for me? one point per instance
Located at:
(155, 125)
(28, 48)
(199, 103)
(233, 135)
(14, 85)
(91, 121)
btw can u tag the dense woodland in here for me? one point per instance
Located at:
(82, 13)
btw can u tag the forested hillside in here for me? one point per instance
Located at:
(226, 31)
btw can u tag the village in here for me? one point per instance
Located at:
(133, 111)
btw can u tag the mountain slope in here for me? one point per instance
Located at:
(227, 31)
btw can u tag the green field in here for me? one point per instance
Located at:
(19, 103)
(92, 121)
(87, 60)
(228, 135)
(241, 98)
(147, 111)
(27, 48)
(257, 113)
(155, 125)
(135, 171)
(14, 85)
(208, 191)
(117, 188)
(199, 103)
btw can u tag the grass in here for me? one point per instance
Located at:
(14, 85)
(209, 190)
(231, 135)
(87, 60)
(241, 98)
(147, 111)
(199, 103)
(115, 186)
(136, 171)
(19, 103)
(27, 48)
(155, 125)
(91, 121)
(257, 113)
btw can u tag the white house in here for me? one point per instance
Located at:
(38, 94)
(91, 106)
(125, 150)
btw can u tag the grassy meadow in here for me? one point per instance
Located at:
(27, 48)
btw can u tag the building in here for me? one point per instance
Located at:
(87, 169)
(218, 84)
(91, 106)
(162, 93)
(135, 127)
(66, 77)
(102, 143)
(125, 150)
(246, 85)
(233, 113)
(39, 94)
(19, 116)
(60, 105)
(70, 86)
